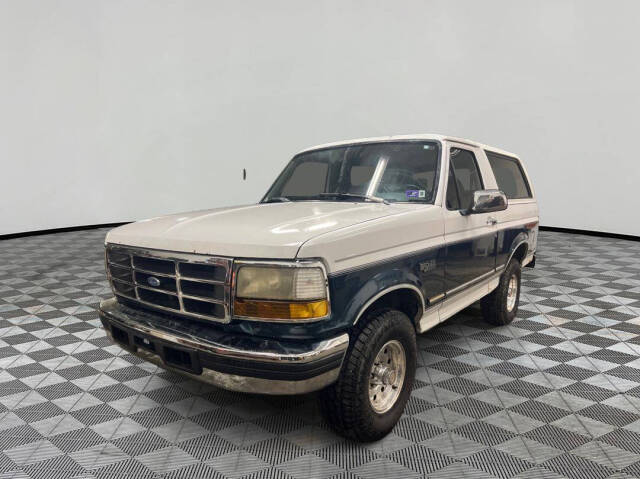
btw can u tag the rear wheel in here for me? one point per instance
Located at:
(375, 382)
(501, 306)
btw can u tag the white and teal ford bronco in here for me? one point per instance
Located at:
(323, 285)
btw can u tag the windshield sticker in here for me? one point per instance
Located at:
(415, 193)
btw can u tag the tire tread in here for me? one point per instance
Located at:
(493, 305)
(342, 403)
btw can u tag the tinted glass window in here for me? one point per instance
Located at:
(309, 177)
(453, 203)
(466, 176)
(360, 175)
(404, 171)
(509, 176)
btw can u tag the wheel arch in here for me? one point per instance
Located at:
(519, 249)
(405, 297)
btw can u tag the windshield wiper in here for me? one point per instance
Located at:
(375, 199)
(277, 199)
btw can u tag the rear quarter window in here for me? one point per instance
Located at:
(509, 175)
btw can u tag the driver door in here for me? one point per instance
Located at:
(470, 239)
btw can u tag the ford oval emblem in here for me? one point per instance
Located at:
(153, 281)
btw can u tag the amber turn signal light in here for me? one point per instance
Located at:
(280, 310)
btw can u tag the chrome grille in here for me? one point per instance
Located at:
(189, 284)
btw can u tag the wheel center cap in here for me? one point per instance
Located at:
(389, 376)
(386, 375)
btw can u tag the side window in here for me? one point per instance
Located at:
(453, 203)
(509, 176)
(465, 176)
(309, 178)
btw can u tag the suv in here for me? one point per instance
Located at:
(324, 283)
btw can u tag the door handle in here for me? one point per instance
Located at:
(492, 221)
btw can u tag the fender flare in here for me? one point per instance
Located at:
(381, 284)
(522, 238)
(388, 290)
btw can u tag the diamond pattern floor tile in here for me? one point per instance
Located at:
(555, 394)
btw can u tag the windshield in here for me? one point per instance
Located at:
(404, 171)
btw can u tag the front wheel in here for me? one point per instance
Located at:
(375, 382)
(501, 306)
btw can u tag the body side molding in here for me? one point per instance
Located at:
(453, 304)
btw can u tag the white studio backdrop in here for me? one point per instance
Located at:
(119, 110)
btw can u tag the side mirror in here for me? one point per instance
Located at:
(486, 201)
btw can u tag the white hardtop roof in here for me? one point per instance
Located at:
(420, 136)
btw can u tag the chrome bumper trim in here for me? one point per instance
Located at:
(245, 384)
(112, 310)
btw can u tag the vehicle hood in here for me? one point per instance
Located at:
(273, 230)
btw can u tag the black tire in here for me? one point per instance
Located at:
(345, 404)
(494, 305)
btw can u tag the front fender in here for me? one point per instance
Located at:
(352, 292)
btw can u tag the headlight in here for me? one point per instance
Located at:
(280, 292)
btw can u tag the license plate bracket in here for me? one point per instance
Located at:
(179, 358)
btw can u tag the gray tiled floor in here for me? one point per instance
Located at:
(555, 394)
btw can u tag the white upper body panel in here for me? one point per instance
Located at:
(272, 230)
(418, 227)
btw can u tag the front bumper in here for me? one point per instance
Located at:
(232, 361)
